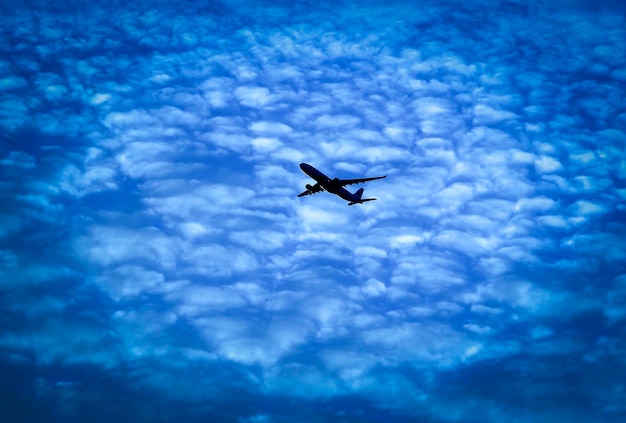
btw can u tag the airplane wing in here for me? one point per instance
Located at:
(345, 182)
(311, 190)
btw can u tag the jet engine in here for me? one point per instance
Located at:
(309, 187)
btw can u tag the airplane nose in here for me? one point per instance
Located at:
(303, 166)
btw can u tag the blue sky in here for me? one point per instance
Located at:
(156, 264)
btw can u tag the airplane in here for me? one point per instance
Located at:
(335, 186)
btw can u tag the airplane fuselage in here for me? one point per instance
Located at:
(333, 186)
(319, 177)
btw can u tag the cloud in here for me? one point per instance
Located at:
(547, 164)
(151, 237)
(107, 245)
(270, 128)
(12, 83)
(253, 96)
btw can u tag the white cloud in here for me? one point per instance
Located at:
(407, 240)
(12, 83)
(336, 121)
(555, 221)
(315, 217)
(373, 288)
(196, 201)
(264, 145)
(380, 154)
(253, 96)
(262, 241)
(546, 164)
(175, 116)
(110, 245)
(176, 188)
(215, 261)
(270, 129)
(454, 196)
(485, 115)
(133, 118)
(240, 341)
(370, 252)
(436, 274)
(288, 154)
(19, 160)
(428, 343)
(130, 280)
(464, 242)
(206, 300)
(100, 98)
(584, 207)
(535, 204)
(480, 330)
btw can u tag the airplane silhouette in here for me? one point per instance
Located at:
(335, 186)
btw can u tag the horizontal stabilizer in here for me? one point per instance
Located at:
(362, 201)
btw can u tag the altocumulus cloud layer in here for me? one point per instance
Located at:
(156, 265)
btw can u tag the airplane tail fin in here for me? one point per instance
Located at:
(357, 198)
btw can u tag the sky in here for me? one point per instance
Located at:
(157, 265)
